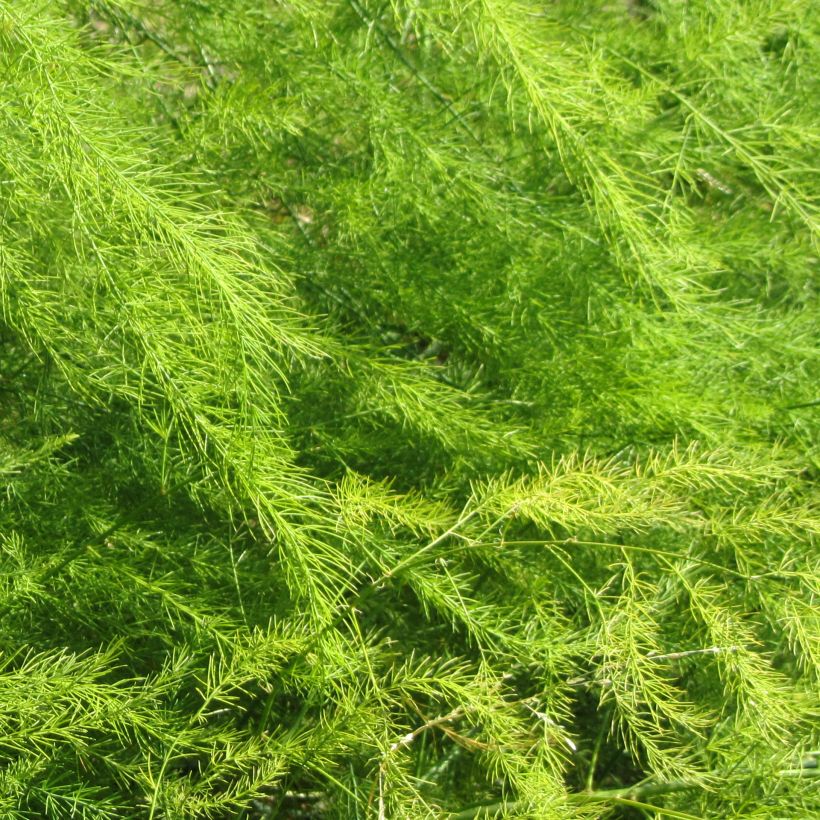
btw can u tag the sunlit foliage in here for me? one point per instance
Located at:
(408, 408)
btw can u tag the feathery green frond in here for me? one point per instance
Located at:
(408, 409)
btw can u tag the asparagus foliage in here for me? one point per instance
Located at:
(408, 408)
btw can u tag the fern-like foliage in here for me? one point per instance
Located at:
(408, 409)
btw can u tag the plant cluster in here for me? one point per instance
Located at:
(408, 409)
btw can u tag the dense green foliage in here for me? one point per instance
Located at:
(408, 408)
